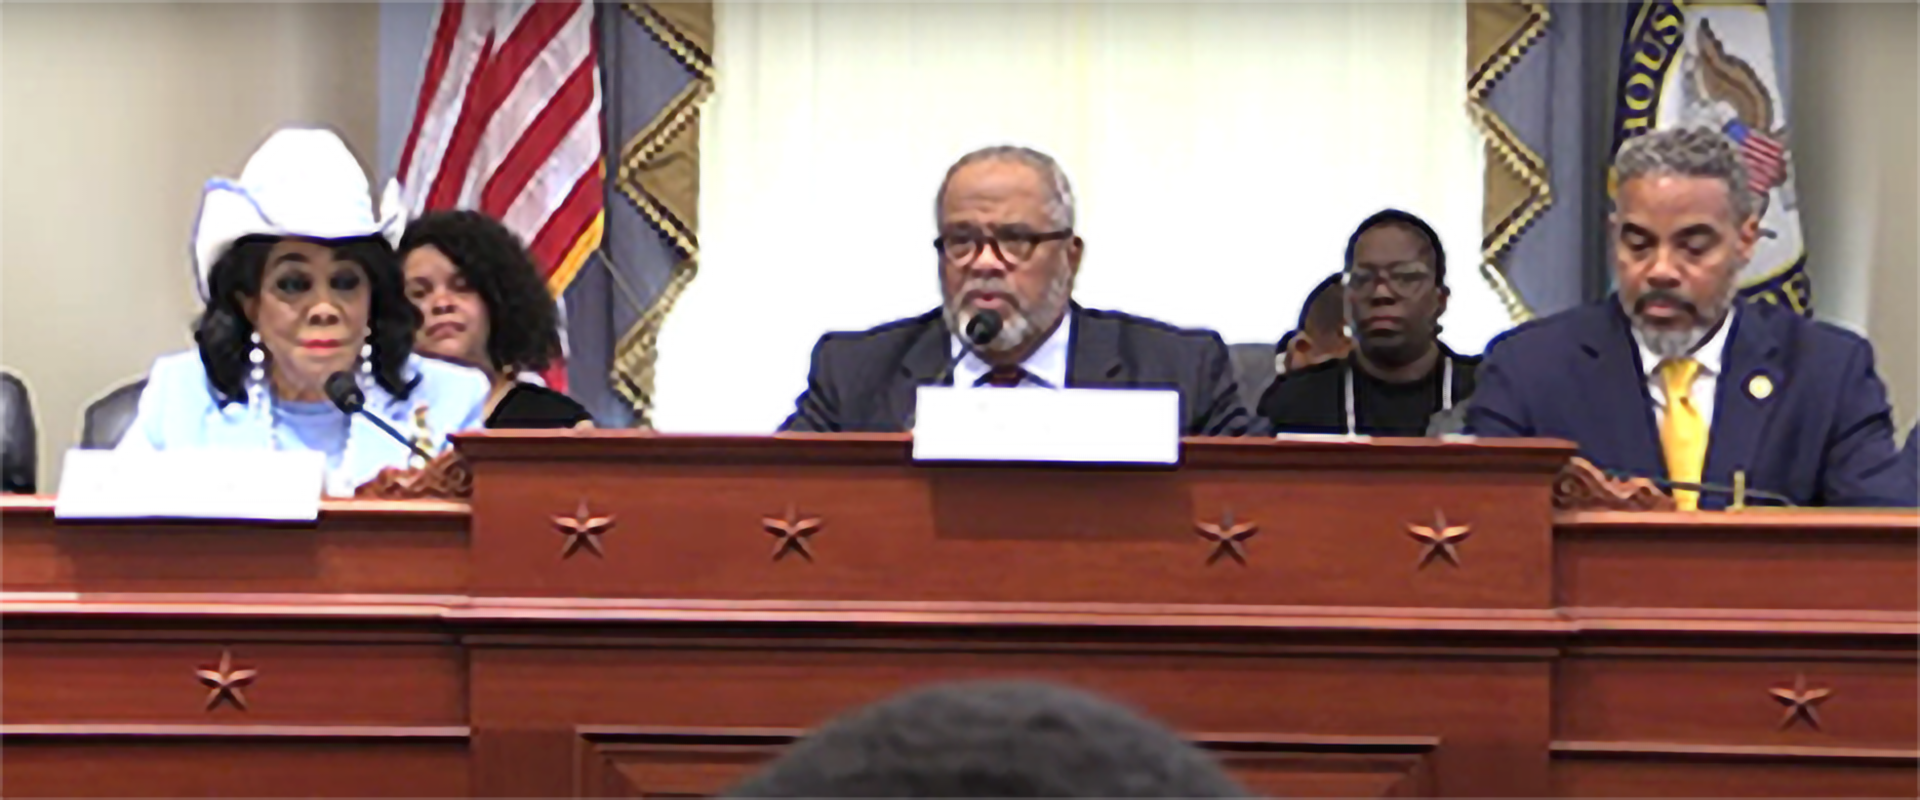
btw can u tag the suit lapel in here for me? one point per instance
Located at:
(1615, 389)
(1093, 351)
(1739, 417)
(925, 359)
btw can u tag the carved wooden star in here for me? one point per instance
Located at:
(226, 682)
(582, 530)
(792, 533)
(1228, 537)
(1440, 539)
(1800, 702)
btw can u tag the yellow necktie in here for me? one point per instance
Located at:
(1683, 434)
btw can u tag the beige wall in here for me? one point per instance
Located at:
(111, 118)
(1856, 86)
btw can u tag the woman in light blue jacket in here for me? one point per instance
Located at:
(301, 283)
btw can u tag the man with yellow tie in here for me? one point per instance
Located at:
(1672, 378)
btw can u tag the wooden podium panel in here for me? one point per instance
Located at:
(676, 632)
(1772, 560)
(1679, 771)
(358, 547)
(1690, 623)
(1300, 713)
(211, 761)
(1331, 522)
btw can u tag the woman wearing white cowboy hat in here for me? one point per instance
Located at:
(301, 282)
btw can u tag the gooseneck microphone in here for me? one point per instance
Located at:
(980, 330)
(346, 396)
(1703, 488)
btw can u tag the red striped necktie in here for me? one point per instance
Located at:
(1002, 377)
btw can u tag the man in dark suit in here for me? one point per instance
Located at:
(1006, 245)
(1672, 378)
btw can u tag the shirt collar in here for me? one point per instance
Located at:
(1046, 365)
(1709, 353)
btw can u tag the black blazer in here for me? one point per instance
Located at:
(866, 380)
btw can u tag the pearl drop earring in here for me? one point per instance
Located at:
(366, 362)
(258, 356)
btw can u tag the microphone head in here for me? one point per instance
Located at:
(345, 392)
(983, 327)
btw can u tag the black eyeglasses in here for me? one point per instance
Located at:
(1013, 247)
(1406, 279)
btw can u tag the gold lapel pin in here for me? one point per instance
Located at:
(1761, 387)
(422, 436)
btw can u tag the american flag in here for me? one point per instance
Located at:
(508, 122)
(1765, 156)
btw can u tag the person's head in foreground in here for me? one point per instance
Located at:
(1396, 291)
(992, 739)
(1684, 225)
(1006, 244)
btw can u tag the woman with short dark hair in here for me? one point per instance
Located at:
(485, 305)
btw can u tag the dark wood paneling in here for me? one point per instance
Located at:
(617, 761)
(689, 525)
(1646, 643)
(1725, 699)
(217, 766)
(1754, 560)
(1493, 710)
(135, 681)
(356, 547)
(1651, 769)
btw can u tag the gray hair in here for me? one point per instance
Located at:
(1691, 152)
(1059, 205)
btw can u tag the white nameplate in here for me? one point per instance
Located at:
(192, 484)
(1106, 426)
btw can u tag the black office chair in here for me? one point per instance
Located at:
(108, 418)
(1254, 368)
(19, 438)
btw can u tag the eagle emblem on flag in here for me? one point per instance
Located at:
(1710, 64)
(1725, 92)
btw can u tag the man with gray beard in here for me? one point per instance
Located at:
(1673, 378)
(1006, 245)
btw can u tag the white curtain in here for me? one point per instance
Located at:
(1221, 155)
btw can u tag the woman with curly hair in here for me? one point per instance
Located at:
(303, 302)
(486, 306)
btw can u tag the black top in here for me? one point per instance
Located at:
(1313, 400)
(530, 406)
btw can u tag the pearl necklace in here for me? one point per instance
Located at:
(335, 482)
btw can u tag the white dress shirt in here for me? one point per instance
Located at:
(1710, 354)
(1046, 366)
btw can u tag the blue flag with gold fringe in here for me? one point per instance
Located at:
(1710, 65)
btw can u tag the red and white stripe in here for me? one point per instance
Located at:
(508, 122)
(1766, 160)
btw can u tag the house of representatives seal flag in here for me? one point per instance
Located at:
(1711, 65)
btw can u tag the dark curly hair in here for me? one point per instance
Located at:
(992, 739)
(225, 335)
(524, 327)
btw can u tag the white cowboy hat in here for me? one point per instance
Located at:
(301, 182)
